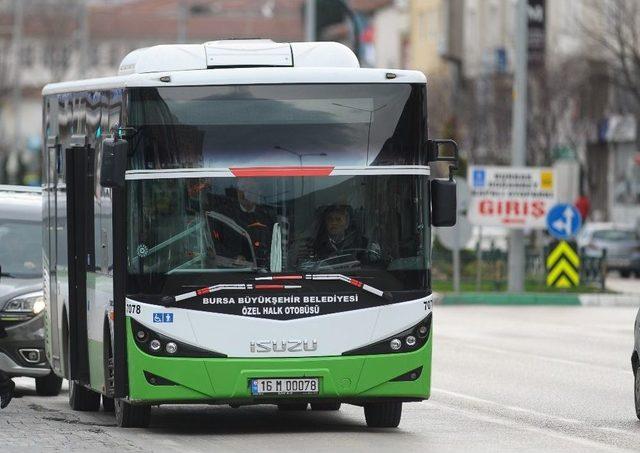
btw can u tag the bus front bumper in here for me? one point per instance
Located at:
(351, 379)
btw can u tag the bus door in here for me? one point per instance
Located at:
(77, 182)
(53, 165)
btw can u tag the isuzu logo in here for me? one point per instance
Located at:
(283, 346)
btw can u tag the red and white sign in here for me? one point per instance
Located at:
(513, 197)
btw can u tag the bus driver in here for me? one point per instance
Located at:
(339, 235)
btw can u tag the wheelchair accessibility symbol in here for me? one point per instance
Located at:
(163, 317)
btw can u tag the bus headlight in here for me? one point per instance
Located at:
(31, 303)
(409, 340)
(158, 344)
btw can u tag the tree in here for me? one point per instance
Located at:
(613, 29)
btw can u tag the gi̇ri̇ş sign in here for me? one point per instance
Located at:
(514, 197)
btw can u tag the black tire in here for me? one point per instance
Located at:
(383, 415)
(636, 392)
(130, 415)
(325, 406)
(625, 273)
(108, 405)
(82, 398)
(292, 406)
(48, 385)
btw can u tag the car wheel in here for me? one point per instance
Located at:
(131, 416)
(48, 385)
(292, 406)
(383, 415)
(625, 273)
(325, 406)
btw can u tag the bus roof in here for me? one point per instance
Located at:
(239, 62)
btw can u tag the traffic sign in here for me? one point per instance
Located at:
(563, 266)
(512, 197)
(563, 221)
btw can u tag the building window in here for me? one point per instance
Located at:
(26, 55)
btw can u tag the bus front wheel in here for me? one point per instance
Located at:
(131, 416)
(383, 415)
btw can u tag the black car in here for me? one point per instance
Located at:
(22, 304)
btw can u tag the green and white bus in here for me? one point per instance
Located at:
(241, 222)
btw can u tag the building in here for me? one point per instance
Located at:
(44, 41)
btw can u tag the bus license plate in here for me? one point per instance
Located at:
(285, 386)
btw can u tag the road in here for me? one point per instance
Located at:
(622, 285)
(504, 379)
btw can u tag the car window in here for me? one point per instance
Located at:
(615, 235)
(20, 248)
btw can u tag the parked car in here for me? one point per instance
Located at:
(21, 288)
(621, 243)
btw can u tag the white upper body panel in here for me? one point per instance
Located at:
(244, 62)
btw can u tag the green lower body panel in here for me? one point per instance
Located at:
(226, 380)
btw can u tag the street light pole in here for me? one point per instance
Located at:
(519, 140)
(183, 15)
(310, 21)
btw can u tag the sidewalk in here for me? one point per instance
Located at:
(609, 300)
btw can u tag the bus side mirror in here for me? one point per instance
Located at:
(114, 162)
(443, 202)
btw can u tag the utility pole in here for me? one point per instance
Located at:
(519, 139)
(310, 21)
(18, 22)
(183, 15)
(83, 39)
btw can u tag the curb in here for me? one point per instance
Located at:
(591, 300)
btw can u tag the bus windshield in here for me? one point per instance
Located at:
(303, 125)
(207, 226)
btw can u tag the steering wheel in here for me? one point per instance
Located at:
(353, 251)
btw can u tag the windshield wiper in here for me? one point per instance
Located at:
(6, 274)
(333, 277)
(168, 301)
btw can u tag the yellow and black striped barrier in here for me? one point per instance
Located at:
(563, 265)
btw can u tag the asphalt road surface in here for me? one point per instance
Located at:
(504, 379)
(615, 282)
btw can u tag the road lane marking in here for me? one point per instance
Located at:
(524, 354)
(528, 427)
(533, 412)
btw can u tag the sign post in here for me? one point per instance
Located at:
(563, 262)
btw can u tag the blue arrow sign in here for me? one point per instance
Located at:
(564, 221)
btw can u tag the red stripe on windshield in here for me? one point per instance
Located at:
(245, 172)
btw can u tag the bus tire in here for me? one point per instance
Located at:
(130, 415)
(335, 406)
(82, 398)
(292, 406)
(383, 415)
(108, 404)
(48, 385)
